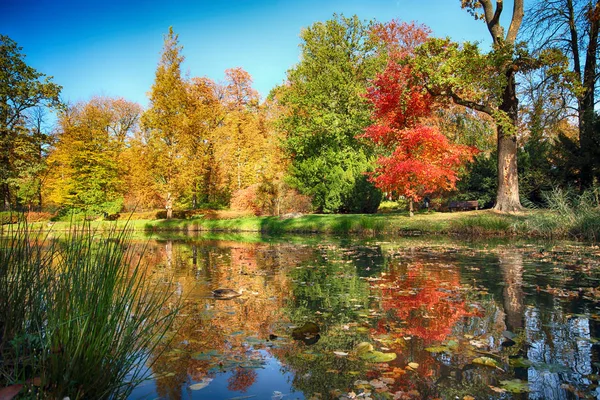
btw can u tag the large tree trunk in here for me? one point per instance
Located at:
(507, 196)
(587, 102)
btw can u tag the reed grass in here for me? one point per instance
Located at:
(78, 317)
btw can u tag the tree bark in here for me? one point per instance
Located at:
(587, 113)
(507, 196)
(169, 206)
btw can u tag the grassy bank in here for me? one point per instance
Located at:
(538, 223)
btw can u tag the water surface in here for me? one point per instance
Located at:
(343, 318)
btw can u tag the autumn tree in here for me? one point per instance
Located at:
(21, 89)
(420, 159)
(86, 166)
(485, 82)
(165, 122)
(326, 111)
(572, 26)
(205, 113)
(241, 136)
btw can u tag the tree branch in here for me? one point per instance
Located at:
(515, 23)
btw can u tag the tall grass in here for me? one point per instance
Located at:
(575, 215)
(77, 316)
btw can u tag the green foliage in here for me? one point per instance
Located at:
(479, 181)
(536, 172)
(78, 314)
(326, 112)
(21, 88)
(336, 181)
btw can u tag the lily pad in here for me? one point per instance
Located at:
(515, 386)
(377, 356)
(437, 349)
(205, 355)
(487, 361)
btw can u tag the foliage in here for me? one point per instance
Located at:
(165, 123)
(325, 111)
(420, 160)
(479, 181)
(21, 89)
(484, 82)
(78, 320)
(87, 169)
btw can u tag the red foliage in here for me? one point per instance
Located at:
(401, 38)
(422, 160)
(423, 300)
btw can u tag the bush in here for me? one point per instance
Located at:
(270, 198)
(246, 199)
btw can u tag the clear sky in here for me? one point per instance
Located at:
(112, 47)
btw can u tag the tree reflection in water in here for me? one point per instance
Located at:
(442, 311)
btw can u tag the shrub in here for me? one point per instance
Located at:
(246, 200)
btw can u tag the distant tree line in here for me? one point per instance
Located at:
(370, 110)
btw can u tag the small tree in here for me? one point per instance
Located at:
(420, 160)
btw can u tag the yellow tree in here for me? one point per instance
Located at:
(204, 113)
(240, 136)
(86, 169)
(165, 122)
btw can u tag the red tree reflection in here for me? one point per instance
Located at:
(426, 300)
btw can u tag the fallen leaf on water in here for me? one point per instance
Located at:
(515, 386)
(413, 365)
(487, 361)
(204, 382)
(340, 353)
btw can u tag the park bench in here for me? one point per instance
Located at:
(463, 205)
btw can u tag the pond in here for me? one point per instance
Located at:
(409, 319)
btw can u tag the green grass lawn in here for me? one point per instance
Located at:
(475, 223)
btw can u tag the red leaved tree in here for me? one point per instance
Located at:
(421, 161)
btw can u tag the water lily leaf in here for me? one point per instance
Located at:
(487, 361)
(452, 344)
(437, 349)
(201, 385)
(364, 347)
(520, 362)
(515, 386)
(377, 356)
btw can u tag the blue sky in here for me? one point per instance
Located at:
(112, 47)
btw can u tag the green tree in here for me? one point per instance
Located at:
(326, 111)
(166, 122)
(21, 88)
(485, 83)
